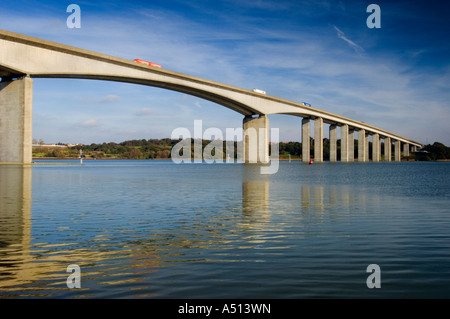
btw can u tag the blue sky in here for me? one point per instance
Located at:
(396, 77)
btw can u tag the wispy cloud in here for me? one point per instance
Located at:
(103, 99)
(90, 123)
(341, 35)
(109, 98)
(144, 111)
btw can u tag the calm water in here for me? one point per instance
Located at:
(154, 229)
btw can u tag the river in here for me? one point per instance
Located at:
(156, 229)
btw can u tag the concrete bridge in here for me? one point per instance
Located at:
(23, 58)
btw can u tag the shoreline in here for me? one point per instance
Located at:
(132, 159)
(94, 159)
(168, 159)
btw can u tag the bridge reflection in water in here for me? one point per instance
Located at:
(15, 225)
(311, 198)
(40, 267)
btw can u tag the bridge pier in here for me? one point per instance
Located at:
(406, 149)
(333, 143)
(367, 149)
(397, 155)
(344, 143)
(306, 147)
(16, 103)
(387, 149)
(362, 145)
(376, 148)
(318, 140)
(256, 139)
(351, 146)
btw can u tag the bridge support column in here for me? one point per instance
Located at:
(397, 155)
(344, 143)
(406, 149)
(376, 148)
(351, 146)
(256, 139)
(318, 140)
(361, 145)
(387, 149)
(16, 103)
(306, 152)
(333, 142)
(367, 148)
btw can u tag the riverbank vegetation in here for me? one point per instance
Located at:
(161, 149)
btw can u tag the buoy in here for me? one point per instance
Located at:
(310, 162)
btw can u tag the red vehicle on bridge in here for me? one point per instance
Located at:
(148, 63)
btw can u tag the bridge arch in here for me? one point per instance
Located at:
(193, 91)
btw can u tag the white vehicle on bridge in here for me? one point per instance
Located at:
(305, 104)
(259, 91)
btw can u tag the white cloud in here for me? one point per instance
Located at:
(90, 123)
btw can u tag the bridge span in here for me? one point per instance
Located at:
(23, 58)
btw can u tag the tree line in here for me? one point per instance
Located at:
(161, 149)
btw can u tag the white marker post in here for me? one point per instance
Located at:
(81, 157)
